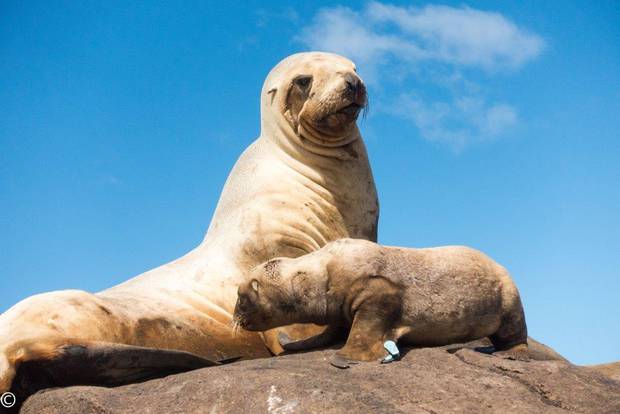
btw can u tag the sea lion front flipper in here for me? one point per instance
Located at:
(370, 330)
(295, 332)
(102, 363)
(323, 339)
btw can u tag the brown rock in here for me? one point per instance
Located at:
(612, 369)
(426, 380)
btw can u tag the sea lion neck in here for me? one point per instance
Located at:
(278, 131)
(307, 283)
(334, 289)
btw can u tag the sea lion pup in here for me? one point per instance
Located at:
(434, 296)
(304, 182)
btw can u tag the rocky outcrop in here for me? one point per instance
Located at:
(427, 380)
(612, 369)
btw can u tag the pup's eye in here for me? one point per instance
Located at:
(303, 81)
(244, 304)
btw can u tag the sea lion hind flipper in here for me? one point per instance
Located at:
(104, 364)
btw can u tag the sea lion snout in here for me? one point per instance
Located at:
(343, 98)
(354, 89)
(247, 297)
(253, 310)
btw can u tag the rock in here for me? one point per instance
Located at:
(612, 369)
(427, 380)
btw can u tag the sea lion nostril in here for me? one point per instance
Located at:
(352, 83)
(351, 78)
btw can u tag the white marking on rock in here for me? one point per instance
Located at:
(276, 405)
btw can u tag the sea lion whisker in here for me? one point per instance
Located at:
(234, 327)
(365, 109)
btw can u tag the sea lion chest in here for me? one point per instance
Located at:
(292, 209)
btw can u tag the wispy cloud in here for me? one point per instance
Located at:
(457, 122)
(437, 45)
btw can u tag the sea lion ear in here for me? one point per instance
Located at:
(272, 92)
(254, 285)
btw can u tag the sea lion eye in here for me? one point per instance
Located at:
(303, 81)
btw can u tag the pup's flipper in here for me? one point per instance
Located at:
(325, 338)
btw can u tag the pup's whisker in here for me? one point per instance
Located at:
(235, 327)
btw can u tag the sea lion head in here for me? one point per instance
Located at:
(262, 303)
(315, 98)
(280, 292)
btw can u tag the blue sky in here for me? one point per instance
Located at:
(493, 125)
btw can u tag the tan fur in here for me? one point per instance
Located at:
(28, 350)
(304, 182)
(435, 296)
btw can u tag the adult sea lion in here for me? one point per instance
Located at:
(435, 296)
(304, 182)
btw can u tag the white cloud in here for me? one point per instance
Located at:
(455, 123)
(439, 45)
(345, 31)
(448, 35)
(461, 36)
(497, 119)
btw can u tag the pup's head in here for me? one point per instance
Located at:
(281, 292)
(263, 302)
